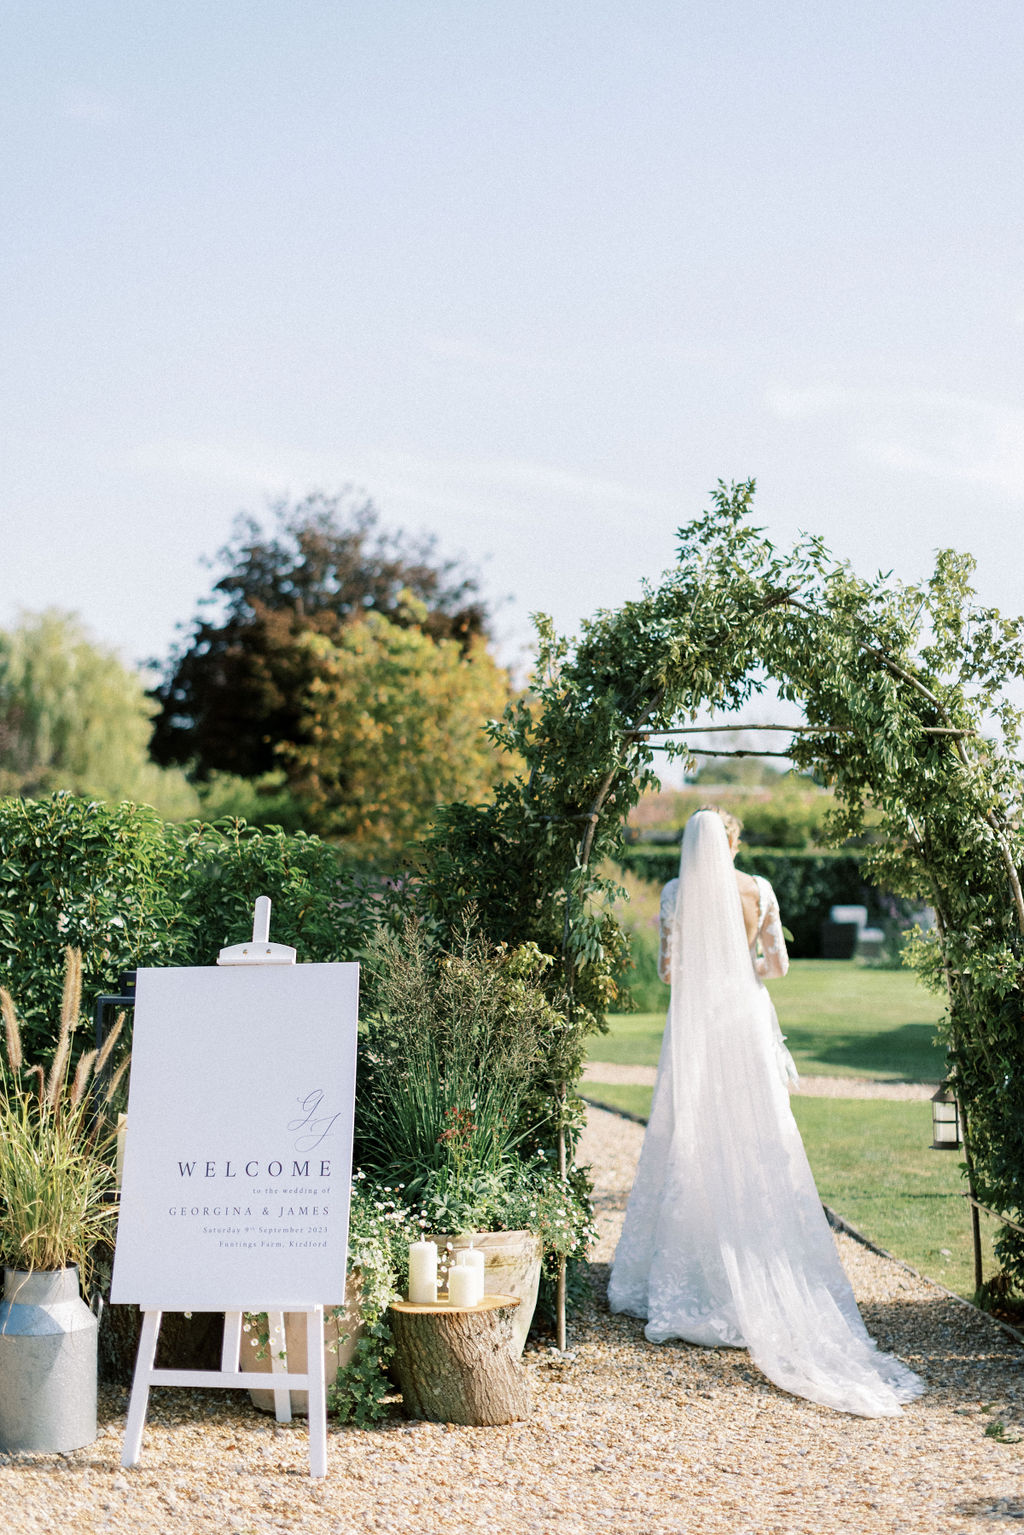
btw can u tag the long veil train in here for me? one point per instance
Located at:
(725, 1240)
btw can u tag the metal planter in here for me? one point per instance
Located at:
(47, 1362)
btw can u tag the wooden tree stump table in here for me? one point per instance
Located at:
(457, 1364)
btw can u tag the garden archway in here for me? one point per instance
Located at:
(903, 690)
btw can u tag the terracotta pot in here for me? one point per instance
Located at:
(336, 1354)
(512, 1261)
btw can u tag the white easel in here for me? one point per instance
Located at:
(230, 1375)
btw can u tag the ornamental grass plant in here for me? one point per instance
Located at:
(56, 1144)
(451, 1103)
(446, 1062)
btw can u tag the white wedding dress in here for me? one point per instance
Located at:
(725, 1240)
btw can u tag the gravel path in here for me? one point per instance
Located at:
(625, 1436)
(810, 1087)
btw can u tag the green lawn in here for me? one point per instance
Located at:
(840, 1019)
(873, 1163)
(871, 1157)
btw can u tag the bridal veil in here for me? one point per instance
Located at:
(725, 1240)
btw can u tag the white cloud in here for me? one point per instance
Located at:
(563, 542)
(466, 487)
(937, 433)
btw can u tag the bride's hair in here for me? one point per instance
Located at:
(733, 825)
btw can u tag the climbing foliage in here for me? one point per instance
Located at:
(906, 686)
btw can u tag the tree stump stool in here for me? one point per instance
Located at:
(456, 1364)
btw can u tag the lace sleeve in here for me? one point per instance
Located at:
(668, 910)
(772, 960)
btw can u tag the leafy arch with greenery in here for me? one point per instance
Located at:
(903, 689)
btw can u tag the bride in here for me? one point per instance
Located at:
(725, 1241)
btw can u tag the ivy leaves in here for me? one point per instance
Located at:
(908, 686)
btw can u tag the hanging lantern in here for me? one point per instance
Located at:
(945, 1119)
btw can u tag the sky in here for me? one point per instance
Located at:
(533, 274)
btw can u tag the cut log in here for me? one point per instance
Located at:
(457, 1364)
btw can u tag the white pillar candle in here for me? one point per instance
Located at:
(473, 1259)
(462, 1286)
(422, 1273)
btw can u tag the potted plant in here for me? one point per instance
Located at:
(523, 1224)
(56, 1208)
(342, 1331)
(453, 1104)
(380, 1230)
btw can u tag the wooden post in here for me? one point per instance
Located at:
(560, 1299)
(457, 1364)
(979, 1270)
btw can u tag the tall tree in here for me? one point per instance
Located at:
(73, 716)
(232, 693)
(395, 725)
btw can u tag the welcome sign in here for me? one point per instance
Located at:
(238, 1156)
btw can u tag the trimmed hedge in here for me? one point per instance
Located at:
(129, 889)
(96, 877)
(806, 883)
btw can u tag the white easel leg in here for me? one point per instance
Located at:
(132, 1447)
(279, 1365)
(231, 1347)
(317, 1392)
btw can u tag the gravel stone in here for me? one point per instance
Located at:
(625, 1436)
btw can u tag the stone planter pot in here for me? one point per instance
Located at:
(336, 1354)
(47, 1362)
(512, 1261)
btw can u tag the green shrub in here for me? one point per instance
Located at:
(323, 908)
(791, 816)
(645, 991)
(806, 883)
(96, 877)
(456, 1096)
(128, 889)
(450, 1060)
(265, 801)
(778, 810)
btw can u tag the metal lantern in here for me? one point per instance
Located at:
(945, 1119)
